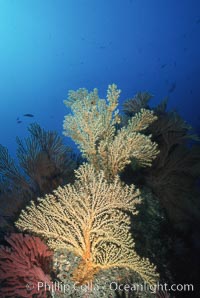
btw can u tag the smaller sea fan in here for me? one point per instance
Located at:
(135, 104)
(23, 265)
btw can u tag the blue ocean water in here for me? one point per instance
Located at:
(49, 47)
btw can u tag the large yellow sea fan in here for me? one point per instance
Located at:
(89, 219)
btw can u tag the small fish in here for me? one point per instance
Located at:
(172, 88)
(18, 120)
(163, 65)
(28, 115)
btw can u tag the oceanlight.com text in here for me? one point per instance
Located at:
(141, 287)
(112, 286)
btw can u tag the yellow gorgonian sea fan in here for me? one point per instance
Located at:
(93, 124)
(89, 219)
